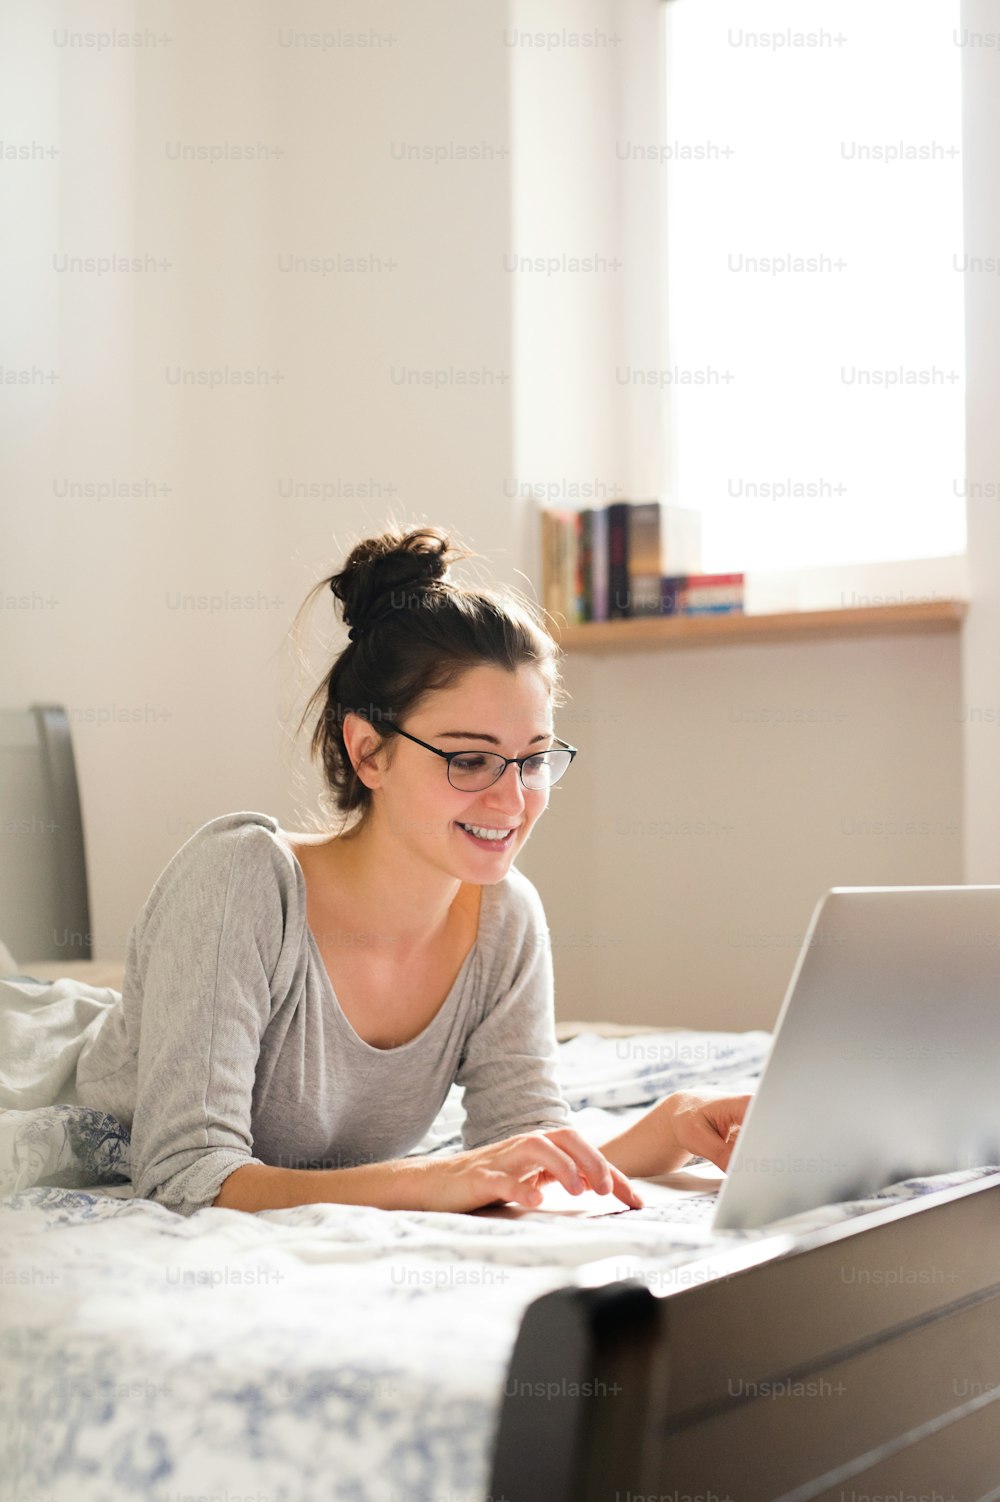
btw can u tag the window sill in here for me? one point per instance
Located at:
(934, 616)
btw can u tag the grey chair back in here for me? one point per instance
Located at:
(44, 898)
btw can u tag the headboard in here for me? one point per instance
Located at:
(44, 898)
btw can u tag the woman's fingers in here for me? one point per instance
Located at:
(624, 1191)
(727, 1114)
(527, 1154)
(561, 1155)
(517, 1168)
(590, 1162)
(601, 1176)
(709, 1127)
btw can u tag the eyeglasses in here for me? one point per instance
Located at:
(473, 771)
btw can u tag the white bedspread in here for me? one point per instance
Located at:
(323, 1352)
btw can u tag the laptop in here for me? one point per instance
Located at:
(886, 1056)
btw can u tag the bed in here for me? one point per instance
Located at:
(332, 1351)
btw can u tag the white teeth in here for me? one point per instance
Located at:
(486, 834)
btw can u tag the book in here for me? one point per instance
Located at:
(706, 594)
(562, 584)
(671, 589)
(574, 578)
(599, 562)
(551, 602)
(619, 597)
(628, 559)
(664, 540)
(586, 561)
(644, 550)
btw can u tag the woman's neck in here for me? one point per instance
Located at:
(362, 878)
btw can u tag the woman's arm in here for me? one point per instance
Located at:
(514, 1170)
(508, 1064)
(682, 1126)
(401, 1184)
(201, 955)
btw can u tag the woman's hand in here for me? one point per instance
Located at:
(706, 1126)
(682, 1126)
(518, 1168)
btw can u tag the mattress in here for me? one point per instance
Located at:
(324, 1351)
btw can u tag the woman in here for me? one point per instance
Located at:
(295, 1008)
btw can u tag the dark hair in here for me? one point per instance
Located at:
(413, 631)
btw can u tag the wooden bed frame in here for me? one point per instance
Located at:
(860, 1363)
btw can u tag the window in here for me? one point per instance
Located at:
(815, 379)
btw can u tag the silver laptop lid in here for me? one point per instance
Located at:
(886, 1054)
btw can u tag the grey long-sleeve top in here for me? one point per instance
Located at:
(229, 1046)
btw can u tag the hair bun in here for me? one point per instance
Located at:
(394, 563)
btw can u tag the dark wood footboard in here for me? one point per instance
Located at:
(859, 1363)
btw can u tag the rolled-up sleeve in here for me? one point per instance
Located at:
(508, 1064)
(202, 959)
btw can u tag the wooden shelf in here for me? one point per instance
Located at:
(647, 632)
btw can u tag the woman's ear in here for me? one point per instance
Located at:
(363, 744)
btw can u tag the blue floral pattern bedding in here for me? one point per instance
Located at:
(70, 1146)
(321, 1352)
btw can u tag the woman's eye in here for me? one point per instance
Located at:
(468, 763)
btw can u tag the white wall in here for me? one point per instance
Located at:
(209, 688)
(723, 790)
(663, 925)
(981, 656)
(719, 791)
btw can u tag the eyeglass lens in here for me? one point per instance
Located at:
(480, 769)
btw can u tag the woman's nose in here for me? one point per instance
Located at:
(508, 791)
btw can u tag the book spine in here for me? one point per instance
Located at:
(562, 551)
(586, 572)
(671, 590)
(599, 569)
(730, 607)
(571, 607)
(644, 550)
(619, 602)
(713, 594)
(548, 546)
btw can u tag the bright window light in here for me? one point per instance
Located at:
(815, 379)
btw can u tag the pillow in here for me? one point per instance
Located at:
(69, 1147)
(8, 964)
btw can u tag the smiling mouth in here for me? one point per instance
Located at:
(488, 837)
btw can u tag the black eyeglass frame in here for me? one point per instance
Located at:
(449, 757)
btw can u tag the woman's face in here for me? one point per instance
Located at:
(487, 709)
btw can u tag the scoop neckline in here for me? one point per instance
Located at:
(339, 1013)
(346, 1025)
